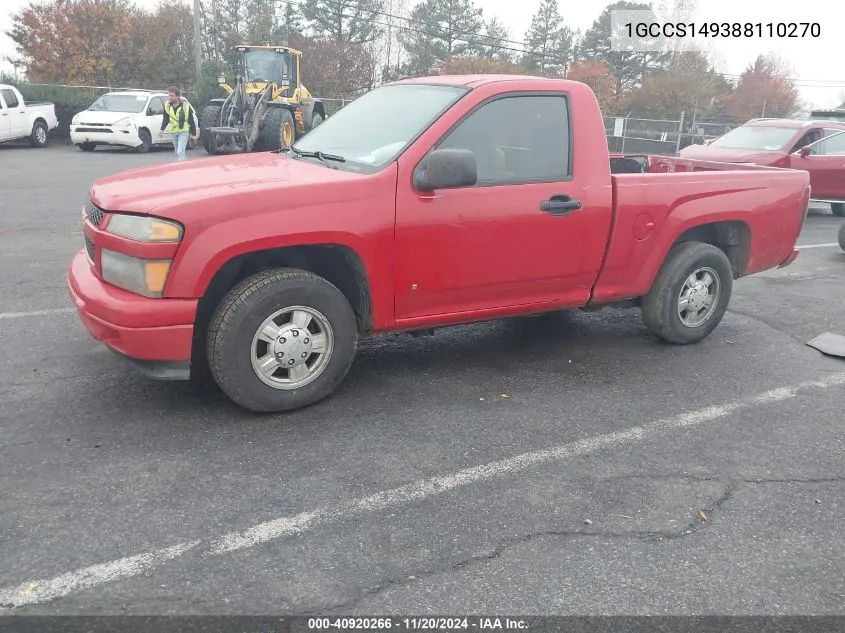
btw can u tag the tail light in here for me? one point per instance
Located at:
(805, 206)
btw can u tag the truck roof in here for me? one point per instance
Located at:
(471, 81)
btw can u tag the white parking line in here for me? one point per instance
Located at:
(818, 245)
(34, 313)
(37, 591)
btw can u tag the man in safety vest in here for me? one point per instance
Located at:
(178, 120)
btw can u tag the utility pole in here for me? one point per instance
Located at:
(197, 39)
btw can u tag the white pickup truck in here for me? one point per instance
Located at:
(20, 120)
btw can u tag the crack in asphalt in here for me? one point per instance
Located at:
(730, 488)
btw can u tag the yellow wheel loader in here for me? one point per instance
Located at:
(268, 108)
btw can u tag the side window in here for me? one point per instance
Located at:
(835, 145)
(10, 98)
(810, 137)
(517, 139)
(156, 106)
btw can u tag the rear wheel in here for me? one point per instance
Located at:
(838, 209)
(690, 294)
(281, 340)
(38, 138)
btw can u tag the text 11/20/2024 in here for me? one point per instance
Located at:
(417, 624)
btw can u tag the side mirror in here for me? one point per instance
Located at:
(804, 152)
(150, 112)
(447, 169)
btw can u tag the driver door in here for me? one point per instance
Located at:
(5, 121)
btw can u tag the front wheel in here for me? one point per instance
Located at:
(690, 294)
(282, 339)
(838, 209)
(146, 140)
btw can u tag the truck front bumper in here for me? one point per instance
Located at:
(155, 334)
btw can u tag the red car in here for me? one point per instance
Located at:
(817, 147)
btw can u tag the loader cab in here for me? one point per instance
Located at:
(266, 64)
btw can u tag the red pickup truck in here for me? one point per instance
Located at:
(424, 203)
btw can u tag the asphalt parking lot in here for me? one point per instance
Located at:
(563, 465)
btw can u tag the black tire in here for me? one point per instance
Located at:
(838, 209)
(660, 307)
(273, 131)
(210, 118)
(842, 237)
(39, 136)
(87, 147)
(270, 137)
(238, 318)
(146, 140)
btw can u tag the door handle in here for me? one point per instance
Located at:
(560, 205)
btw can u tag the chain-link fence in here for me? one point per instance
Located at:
(629, 135)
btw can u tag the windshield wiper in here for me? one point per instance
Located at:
(322, 157)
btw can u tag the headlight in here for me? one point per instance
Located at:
(142, 276)
(124, 122)
(144, 229)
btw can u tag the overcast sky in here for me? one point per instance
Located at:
(817, 62)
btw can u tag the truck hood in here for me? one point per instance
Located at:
(177, 189)
(729, 155)
(102, 117)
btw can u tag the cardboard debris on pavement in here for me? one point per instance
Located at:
(829, 344)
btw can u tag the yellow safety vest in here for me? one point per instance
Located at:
(178, 122)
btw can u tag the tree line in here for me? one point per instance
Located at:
(350, 46)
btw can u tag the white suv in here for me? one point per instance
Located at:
(129, 118)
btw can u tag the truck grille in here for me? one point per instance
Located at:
(89, 246)
(94, 214)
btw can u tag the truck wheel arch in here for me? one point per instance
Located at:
(733, 237)
(337, 263)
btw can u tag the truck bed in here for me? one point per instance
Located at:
(658, 198)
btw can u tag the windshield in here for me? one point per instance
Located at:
(375, 128)
(756, 137)
(120, 103)
(266, 66)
